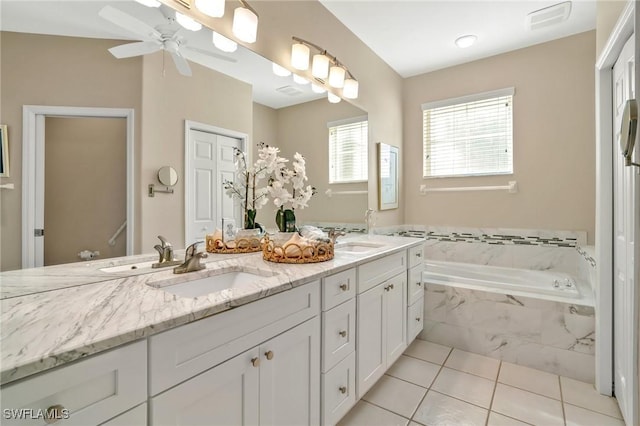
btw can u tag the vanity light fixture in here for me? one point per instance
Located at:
(324, 67)
(466, 41)
(280, 71)
(334, 99)
(300, 80)
(223, 43)
(317, 89)
(149, 3)
(187, 22)
(212, 8)
(245, 23)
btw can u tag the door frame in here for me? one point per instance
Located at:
(33, 166)
(190, 125)
(623, 29)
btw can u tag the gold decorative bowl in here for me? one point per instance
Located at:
(242, 245)
(296, 253)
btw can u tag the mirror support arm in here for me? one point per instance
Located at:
(164, 190)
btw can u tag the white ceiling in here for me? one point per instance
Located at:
(418, 36)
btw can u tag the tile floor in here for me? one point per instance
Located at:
(433, 384)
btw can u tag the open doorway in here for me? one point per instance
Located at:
(78, 184)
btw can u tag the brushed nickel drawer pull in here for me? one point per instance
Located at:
(343, 333)
(391, 286)
(342, 389)
(255, 361)
(418, 319)
(269, 355)
(344, 287)
(54, 413)
(419, 283)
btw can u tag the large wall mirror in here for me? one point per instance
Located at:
(56, 53)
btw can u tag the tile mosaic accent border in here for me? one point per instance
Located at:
(587, 254)
(496, 239)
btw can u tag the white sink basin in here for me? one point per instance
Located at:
(357, 246)
(219, 281)
(131, 267)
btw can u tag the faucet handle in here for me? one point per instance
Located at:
(192, 249)
(164, 242)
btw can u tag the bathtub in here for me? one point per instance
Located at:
(556, 286)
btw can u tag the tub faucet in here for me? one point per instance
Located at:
(165, 250)
(191, 260)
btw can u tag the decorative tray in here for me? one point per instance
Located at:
(242, 245)
(296, 253)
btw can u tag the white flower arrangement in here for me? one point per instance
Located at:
(300, 193)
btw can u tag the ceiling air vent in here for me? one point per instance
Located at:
(289, 90)
(549, 16)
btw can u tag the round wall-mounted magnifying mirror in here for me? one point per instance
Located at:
(167, 176)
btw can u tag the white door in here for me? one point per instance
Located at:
(625, 227)
(290, 377)
(209, 162)
(371, 338)
(396, 308)
(224, 395)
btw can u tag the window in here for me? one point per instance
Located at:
(467, 136)
(348, 146)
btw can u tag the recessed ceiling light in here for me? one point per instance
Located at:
(466, 41)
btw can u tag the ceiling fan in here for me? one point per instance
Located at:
(162, 37)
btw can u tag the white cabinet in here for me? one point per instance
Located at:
(87, 392)
(415, 294)
(381, 329)
(136, 416)
(339, 390)
(275, 383)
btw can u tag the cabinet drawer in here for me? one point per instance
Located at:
(416, 256)
(339, 390)
(185, 351)
(415, 320)
(338, 288)
(90, 391)
(415, 288)
(338, 333)
(373, 273)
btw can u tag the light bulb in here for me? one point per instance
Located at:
(334, 99)
(300, 80)
(336, 77)
(320, 66)
(317, 89)
(223, 43)
(245, 25)
(213, 8)
(350, 90)
(280, 71)
(187, 22)
(300, 56)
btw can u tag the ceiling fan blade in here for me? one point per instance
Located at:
(181, 63)
(188, 50)
(135, 49)
(129, 23)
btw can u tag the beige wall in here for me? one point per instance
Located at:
(61, 71)
(85, 187)
(554, 133)
(168, 99)
(380, 86)
(607, 14)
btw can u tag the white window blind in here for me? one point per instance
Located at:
(472, 135)
(348, 146)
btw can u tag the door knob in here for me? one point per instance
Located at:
(269, 355)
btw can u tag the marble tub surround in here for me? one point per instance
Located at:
(42, 330)
(587, 266)
(551, 336)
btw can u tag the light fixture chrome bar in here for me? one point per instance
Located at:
(334, 60)
(245, 4)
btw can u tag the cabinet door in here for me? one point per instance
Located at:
(290, 377)
(224, 395)
(396, 321)
(371, 338)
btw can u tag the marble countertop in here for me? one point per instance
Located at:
(53, 315)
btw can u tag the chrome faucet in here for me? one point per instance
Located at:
(369, 219)
(191, 260)
(334, 234)
(165, 250)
